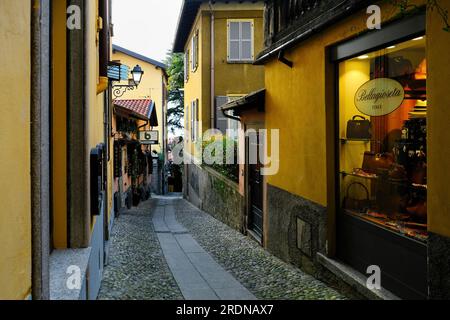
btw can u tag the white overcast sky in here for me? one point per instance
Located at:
(146, 26)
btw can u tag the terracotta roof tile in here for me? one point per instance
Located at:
(139, 106)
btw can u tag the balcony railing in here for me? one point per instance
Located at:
(283, 18)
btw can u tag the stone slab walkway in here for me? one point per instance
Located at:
(198, 276)
(263, 274)
(167, 249)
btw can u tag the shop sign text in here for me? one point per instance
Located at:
(379, 97)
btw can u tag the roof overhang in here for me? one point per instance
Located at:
(141, 57)
(152, 116)
(253, 101)
(187, 17)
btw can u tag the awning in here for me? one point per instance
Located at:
(142, 109)
(255, 100)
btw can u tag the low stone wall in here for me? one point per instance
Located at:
(216, 195)
(296, 228)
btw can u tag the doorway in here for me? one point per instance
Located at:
(255, 189)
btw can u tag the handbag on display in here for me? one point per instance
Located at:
(389, 200)
(398, 173)
(359, 129)
(372, 161)
(355, 204)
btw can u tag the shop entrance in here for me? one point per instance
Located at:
(381, 145)
(255, 185)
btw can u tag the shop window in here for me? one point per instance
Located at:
(240, 41)
(383, 138)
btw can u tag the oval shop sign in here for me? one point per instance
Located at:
(379, 97)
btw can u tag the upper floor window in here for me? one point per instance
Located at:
(194, 52)
(240, 41)
(186, 66)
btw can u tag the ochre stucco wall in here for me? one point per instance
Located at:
(438, 47)
(237, 78)
(193, 88)
(151, 86)
(15, 216)
(230, 78)
(296, 104)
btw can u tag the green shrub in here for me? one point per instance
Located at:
(231, 171)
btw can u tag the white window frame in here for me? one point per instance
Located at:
(194, 51)
(240, 59)
(194, 120)
(186, 66)
(187, 121)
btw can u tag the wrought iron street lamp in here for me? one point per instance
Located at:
(136, 78)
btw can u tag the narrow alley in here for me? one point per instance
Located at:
(168, 249)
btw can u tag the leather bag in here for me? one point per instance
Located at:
(372, 161)
(359, 129)
(355, 204)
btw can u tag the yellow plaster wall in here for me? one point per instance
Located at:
(230, 78)
(152, 85)
(296, 105)
(198, 86)
(94, 101)
(438, 47)
(15, 216)
(237, 78)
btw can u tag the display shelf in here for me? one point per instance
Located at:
(410, 230)
(345, 140)
(376, 178)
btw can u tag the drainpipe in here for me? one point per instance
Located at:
(230, 117)
(213, 73)
(40, 148)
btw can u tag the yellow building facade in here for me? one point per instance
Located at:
(211, 78)
(54, 224)
(303, 223)
(15, 218)
(153, 86)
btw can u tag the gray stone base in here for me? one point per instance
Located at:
(296, 228)
(216, 195)
(349, 281)
(438, 267)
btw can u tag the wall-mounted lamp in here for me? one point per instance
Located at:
(136, 78)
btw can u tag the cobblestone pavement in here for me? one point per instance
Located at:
(137, 269)
(266, 276)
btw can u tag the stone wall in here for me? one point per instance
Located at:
(216, 195)
(296, 228)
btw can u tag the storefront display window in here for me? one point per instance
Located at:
(383, 138)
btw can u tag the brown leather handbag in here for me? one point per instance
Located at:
(372, 161)
(355, 204)
(359, 129)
